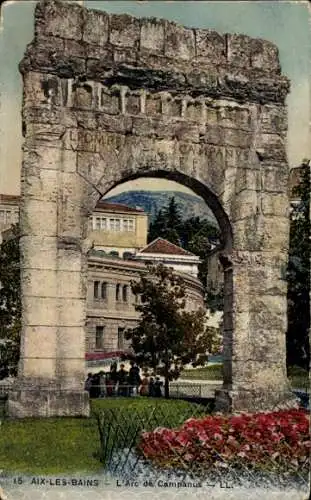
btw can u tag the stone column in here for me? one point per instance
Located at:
(255, 323)
(52, 365)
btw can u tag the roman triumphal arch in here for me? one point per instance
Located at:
(108, 98)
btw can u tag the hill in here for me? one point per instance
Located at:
(153, 201)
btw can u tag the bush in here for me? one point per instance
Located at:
(272, 441)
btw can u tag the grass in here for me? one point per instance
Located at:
(298, 377)
(210, 372)
(65, 445)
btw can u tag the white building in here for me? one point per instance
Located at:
(165, 252)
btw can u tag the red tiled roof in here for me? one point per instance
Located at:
(160, 245)
(94, 356)
(117, 207)
(10, 198)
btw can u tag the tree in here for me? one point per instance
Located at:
(10, 304)
(167, 336)
(298, 275)
(167, 223)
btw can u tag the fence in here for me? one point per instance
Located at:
(125, 453)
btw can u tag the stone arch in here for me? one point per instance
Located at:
(156, 99)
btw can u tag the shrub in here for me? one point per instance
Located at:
(274, 441)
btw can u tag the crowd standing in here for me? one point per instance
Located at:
(123, 383)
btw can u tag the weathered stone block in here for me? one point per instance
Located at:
(68, 259)
(237, 138)
(275, 204)
(153, 104)
(238, 50)
(40, 282)
(40, 311)
(275, 178)
(41, 88)
(245, 204)
(248, 233)
(82, 96)
(152, 35)
(247, 178)
(194, 111)
(39, 218)
(42, 185)
(210, 46)
(46, 338)
(71, 285)
(124, 30)
(40, 403)
(70, 342)
(271, 146)
(133, 104)
(179, 42)
(109, 101)
(96, 27)
(276, 231)
(265, 56)
(72, 312)
(273, 119)
(59, 19)
(35, 249)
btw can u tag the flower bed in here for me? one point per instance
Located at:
(272, 441)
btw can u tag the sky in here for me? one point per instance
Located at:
(285, 23)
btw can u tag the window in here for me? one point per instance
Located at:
(96, 223)
(115, 225)
(1, 215)
(99, 339)
(103, 223)
(8, 216)
(118, 292)
(125, 293)
(128, 225)
(104, 290)
(120, 338)
(96, 289)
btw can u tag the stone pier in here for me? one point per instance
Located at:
(109, 98)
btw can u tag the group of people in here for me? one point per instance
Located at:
(122, 383)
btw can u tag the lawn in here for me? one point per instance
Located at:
(68, 445)
(210, 372)
(298, 377)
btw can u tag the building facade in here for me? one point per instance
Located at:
(118, 229)
(111, 303)
(119, 255)
(165, 252)
(9, 212)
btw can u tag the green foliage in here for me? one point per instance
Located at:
(167, 336)
(167, 224)
(193, 234)
(210, 372)
(298, 275)
(10, 304)
(66, 445)
(121, 427)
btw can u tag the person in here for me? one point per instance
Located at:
(95, 386)
(102, 383)
(157, 388)
(88, 382)
(151, 393)
(109, 385)
(133, 379)
(113, 378)
(122, 380)
(144, 388)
